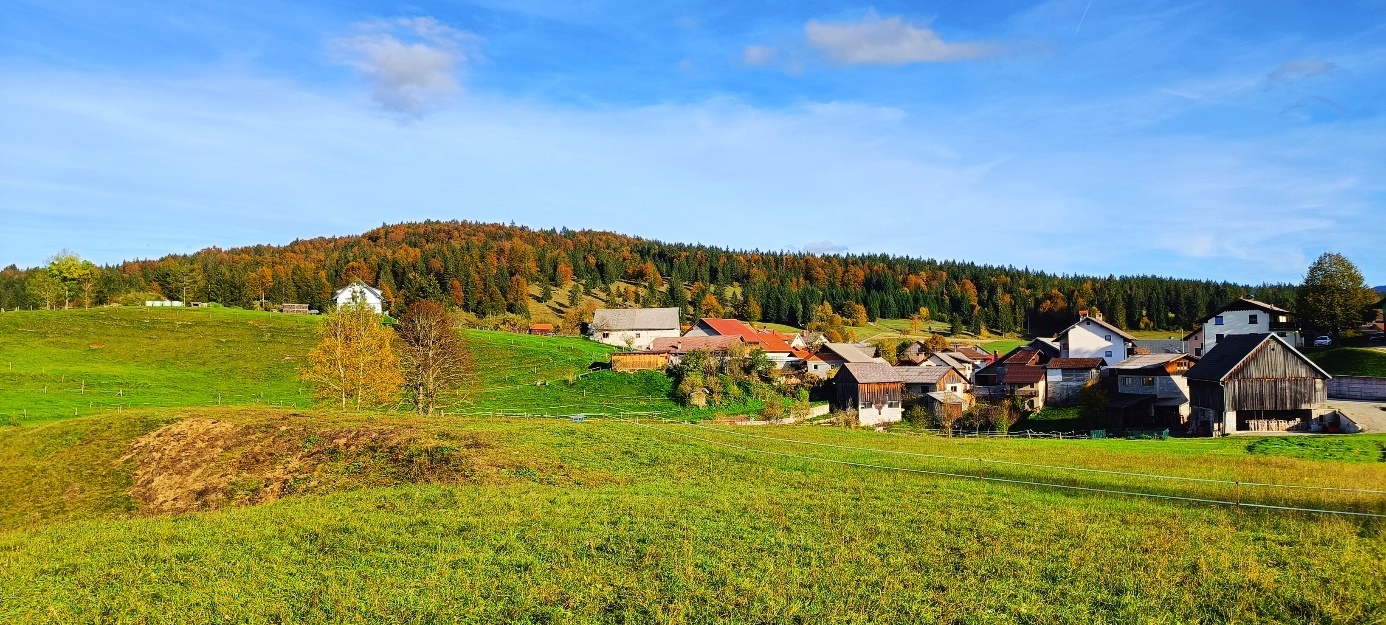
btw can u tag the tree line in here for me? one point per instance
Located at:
(495, 269)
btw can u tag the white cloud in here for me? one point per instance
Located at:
(758, 55)
(1302, 68)
(888, 41)
(411, 63)
(823, 247)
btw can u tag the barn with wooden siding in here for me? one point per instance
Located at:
(639, 361)
(1256, 383)
(873, 389)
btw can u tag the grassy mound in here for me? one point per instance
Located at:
(1334, 448)
(1363, 361)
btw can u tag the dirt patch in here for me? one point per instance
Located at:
(204, 464)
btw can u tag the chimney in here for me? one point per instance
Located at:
(1082, 313)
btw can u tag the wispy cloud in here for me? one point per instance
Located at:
(823, 247)
(411, 63)
(758, 55)
(1301, 69)
(876, 40)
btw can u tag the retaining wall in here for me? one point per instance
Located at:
(1353, 387)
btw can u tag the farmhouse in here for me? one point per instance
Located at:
(635, 328)
(1020, 373)
(1065, 377)
(677, 347)
(1151, 391)
(920, 381)
(782, 349)
(362, 292)
(1091, 337)
(832, 355)
(873, 389)
(1248, 316)
(1256, 382)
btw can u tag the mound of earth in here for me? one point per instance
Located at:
(204, 463)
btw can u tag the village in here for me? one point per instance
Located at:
(1241, 372)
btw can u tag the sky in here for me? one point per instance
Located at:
(1224, 140)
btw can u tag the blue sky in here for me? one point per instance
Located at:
(1217, 139)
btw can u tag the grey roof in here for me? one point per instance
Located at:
(871, 372)
(1229, 354)
(956, 362)
(1246, 303)
(1145, 361)
(849, 352)
(1048, 347)
(609, 319)
(946, 397)
(1115, 330)
(923, 375)
(1164, 346)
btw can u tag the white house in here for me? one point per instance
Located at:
(1246, 316)
(371, 296)
(636, 328)
(1092, 337)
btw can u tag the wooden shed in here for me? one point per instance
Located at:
(639, 361)
(541, 329)
(1256, 382)
(873, 389)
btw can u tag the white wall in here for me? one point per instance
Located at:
(867, 414)
(345, 296)
(1239, 322)
(1089, 339)
(639, 339)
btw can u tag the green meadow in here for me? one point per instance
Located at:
(186, 511)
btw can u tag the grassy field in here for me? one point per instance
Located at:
(543, 521)
(1363, 361)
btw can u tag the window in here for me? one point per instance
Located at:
(1147, 381)
(1109, 353)
(1127, 380)
(1107, 338)
(1217, 321)
(1218, 337)
(1198, 351)
(892, 404)
(1282, 319)
(637, 335)
(606, 335)
(1251, 319)
(1283, 334)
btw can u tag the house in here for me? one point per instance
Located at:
(541, 329)
(783, 349)
(634, 328)
(1256, 383)
(678, 346)
(832, 355)
(1049, 348)
(1020, 373)
(873, 389)
(1248, 316)
(362, 292)
(1091, 337)
(920, 381)
(1195, 341)
(1065, 377)
(945, 358)
(1150, 391)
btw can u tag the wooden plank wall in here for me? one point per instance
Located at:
(635, 361)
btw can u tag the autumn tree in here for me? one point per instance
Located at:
(433, 355)
(73, 274)
(710, 307)
(354, 362)
(936, 342)
(43, 288)
(1334, 297)
(259, 282)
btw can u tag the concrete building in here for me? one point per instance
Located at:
(1247, 316)
(1091, 337)
(636, 328)
(360, 291)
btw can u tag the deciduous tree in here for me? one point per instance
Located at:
(433, 355)
(1334, 296)
(354, 363)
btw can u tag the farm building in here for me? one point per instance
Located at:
(920, 381)
(1020, 373)
(1151, 391)
(1256, 382)
(783, 349)
(873, 389)
(639, 361)
(1064, 377)
(360, 291)
(294, 309)
(676, 347)
(1247, 316)
(947, 403)
(832, 355)
(541, 329)
(1091, 337)
(634, 328)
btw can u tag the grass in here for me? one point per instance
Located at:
(1336, 448)
(608, 522)
(62, 363)
(1356, 361)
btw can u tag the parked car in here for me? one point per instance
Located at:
(1379, 337)
(1323, 341)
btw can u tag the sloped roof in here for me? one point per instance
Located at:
(1233, 350)
(848, 352)
(1164, 346)
(1022, 374)
(1114, 330)
(358, 283)
(1022, 356)
(1075, 363)
(685, 344)
(972, 353)
(1048, 347)
(923, 375)
(946, 397)
(871, 372)
(952, 361)
(609, 319)
(1246, 303)
(1149, 361)
(541, 326)
(727, 327)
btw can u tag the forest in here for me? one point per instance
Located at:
(492, 269)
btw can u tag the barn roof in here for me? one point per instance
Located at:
(973, 353)
(685, 344)
(1233, 350)
(947, 397)
(849, 352)
(608, 319)
(1164, 346)
(1022, 356)
(1149, 361)
(871, 372)
(1023, 374)
(1075, 363)
(922, 375)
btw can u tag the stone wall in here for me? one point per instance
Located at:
(1352, 387)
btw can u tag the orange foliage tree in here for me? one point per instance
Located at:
(354, 363)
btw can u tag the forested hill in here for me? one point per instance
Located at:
(490, 268)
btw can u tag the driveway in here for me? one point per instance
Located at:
(1369, 415)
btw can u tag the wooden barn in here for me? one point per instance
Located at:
(873, 389)
(1256, 383)
(541, 329)
(639, 361)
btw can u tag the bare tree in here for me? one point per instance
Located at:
(434, 357)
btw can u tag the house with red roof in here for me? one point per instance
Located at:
(783, 349)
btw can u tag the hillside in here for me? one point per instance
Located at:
(505, 520)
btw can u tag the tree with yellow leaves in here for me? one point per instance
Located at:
(354, 363)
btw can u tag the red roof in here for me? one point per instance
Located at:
(770, 340)
(541, 326)
(1023, 374)
(1076, 363)
(685, 344)
(1023, 356)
